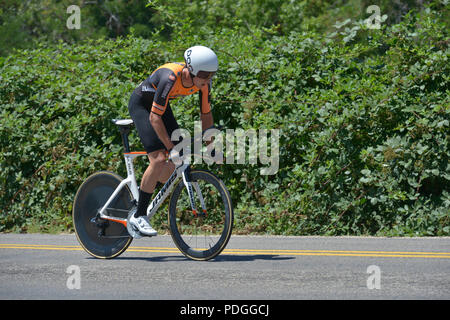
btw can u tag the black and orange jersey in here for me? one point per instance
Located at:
(165, 84)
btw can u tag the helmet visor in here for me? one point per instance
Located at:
(205, 74)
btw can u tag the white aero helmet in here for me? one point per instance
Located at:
(201, 61)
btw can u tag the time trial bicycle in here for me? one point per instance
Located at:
(200, 211)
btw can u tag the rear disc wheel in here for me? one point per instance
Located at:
(102, 238)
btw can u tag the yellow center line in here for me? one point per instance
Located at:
(346, 253)
(338, 251)
(38, 245)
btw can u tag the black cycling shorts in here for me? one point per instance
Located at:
(140, 109)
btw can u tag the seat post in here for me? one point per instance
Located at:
(124, 131)
(124, 126)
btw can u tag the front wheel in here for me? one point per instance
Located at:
(102, 238)
(202, 235)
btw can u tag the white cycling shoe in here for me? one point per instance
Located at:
(141, 223)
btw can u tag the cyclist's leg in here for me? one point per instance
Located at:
(158, 169)
(148, 183)
(140, 113)
(166, 171)
(171, 125)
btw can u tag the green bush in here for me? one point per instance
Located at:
(363, 114)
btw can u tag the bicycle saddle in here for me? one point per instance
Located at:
(122, 122)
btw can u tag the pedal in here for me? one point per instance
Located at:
(132, 230)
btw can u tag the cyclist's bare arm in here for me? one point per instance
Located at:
(207, 122)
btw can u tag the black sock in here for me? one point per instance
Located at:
(144, 200)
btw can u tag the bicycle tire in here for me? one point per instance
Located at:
(90, 197)
(216, 226)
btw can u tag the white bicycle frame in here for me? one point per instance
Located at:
(181, 171)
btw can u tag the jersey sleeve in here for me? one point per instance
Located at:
(205, 99)
(166, 82)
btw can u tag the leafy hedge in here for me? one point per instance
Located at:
(363, 114)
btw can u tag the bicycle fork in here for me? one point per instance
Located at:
(191, 186)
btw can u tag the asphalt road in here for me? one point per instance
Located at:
(37, 266)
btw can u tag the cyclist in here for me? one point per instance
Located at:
(154, 120)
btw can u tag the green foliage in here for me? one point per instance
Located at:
(57, 104)
(25, 23)
(364, 115)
